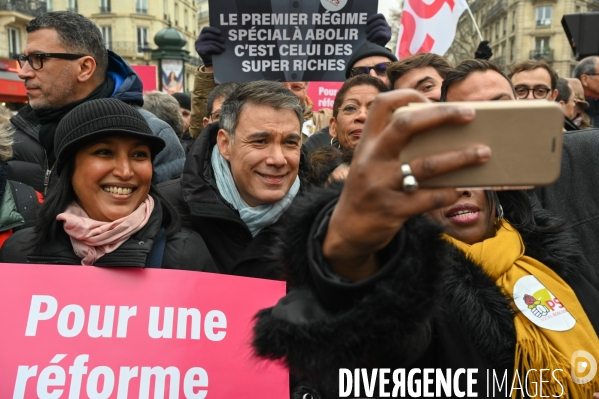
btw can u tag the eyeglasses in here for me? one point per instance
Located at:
(538, 92)
(380, 69)
(36, 60)
(214, 115)
(352, 109)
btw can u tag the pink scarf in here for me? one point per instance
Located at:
(92, 239)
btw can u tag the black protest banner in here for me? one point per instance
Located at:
(288, 40)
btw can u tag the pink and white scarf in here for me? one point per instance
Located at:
(92, 239)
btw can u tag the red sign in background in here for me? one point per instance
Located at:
(147, 74)
(79, 332)
(323, 94)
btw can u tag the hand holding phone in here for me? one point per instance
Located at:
(525, 138)
(374, 203)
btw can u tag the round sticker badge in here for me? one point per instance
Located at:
(333, 5)
(540, 306)
(308, 128)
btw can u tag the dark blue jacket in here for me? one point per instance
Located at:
(593, 110)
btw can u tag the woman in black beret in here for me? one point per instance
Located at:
(104, 210)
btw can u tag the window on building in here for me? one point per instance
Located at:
(542, 44)
(513, 21)
(165, 9)
(72, 5)
(141, 6)
(107, 35)
(49, 5)
(504, 26)
(185, 18)
(143, 39)
(176, 14)
(497, 30)
(542, 48)
(543, 16)
(104, 5)
(14, 41)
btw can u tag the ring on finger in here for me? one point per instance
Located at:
(409, 183)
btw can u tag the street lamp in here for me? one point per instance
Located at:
(147, 50)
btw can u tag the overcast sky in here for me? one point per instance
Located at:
(386, 5)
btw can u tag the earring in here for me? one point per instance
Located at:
(498, 215)
(499, 212)
(333, 142)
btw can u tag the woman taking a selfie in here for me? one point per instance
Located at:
(503, 291)
(104, 209)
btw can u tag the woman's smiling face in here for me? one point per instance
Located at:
(112, 176)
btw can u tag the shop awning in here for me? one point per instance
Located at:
(12, 88)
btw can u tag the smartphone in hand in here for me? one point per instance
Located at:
(525, 138)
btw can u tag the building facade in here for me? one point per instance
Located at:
(14, 16)
(519, 30)
(203, 18)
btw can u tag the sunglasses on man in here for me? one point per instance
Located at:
(379, 69)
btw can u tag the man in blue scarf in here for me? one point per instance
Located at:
(240, 177)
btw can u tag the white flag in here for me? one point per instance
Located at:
(428, 26)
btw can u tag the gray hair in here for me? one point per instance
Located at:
(76, 34)
(585, 67)
(166, 108)
(260, 92)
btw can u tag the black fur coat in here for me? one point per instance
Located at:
(428, 306)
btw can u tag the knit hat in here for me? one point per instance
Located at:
(97, 118)
(368, 49)
(183, 99)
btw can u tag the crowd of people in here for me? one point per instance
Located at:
(247, 179)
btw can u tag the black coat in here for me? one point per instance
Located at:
(30, 163)
(428, 306)
(229, 241)
(184, 250)
(574, 196)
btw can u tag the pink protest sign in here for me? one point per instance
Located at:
(323, 94)
(78, 331)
